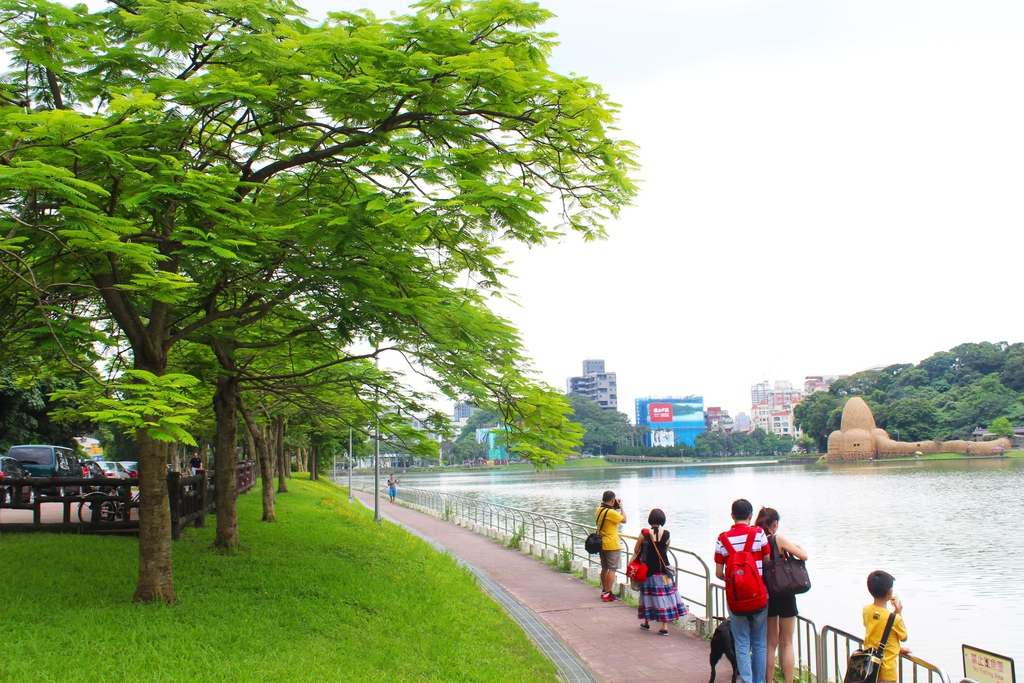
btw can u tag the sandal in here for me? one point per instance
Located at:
(663, 632)
(645, 627)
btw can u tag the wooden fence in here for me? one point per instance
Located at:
(90, 505)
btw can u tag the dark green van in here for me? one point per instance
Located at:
(46, 461)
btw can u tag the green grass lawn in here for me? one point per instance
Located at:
(325, 594)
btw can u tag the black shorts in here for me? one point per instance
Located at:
(782, 606)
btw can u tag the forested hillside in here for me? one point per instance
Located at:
(945, 396)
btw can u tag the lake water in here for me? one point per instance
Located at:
(951, 532)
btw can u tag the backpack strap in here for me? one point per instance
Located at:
(724, 538)
(751, 533)
(600, 520)
(880, 650)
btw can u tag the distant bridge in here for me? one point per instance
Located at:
(633, 459)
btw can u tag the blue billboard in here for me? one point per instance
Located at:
(671, 421)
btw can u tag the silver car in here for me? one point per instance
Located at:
(114, 469)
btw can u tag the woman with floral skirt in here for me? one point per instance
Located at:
(659, 597)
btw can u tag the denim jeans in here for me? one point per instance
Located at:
(750, 633)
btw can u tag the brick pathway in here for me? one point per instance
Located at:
(605, 636)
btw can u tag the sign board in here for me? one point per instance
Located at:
(987, 667)
(663, 437)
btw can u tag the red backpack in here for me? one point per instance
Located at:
(744, 589)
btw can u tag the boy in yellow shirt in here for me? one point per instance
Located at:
(876, 615)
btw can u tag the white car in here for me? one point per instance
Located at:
(114, 469)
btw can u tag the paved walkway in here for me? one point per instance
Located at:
(605, 636)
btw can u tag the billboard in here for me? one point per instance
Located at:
(687, 412)
(672, 421)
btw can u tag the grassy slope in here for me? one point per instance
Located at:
(323, 595)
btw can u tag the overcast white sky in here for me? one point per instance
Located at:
(805, 163)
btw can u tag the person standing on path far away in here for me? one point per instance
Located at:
(782, 610)
(392, 487)
(659, 598)
(748, 610)
(608, 527)
(196, 463)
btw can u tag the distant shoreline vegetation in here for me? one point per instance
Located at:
(803, 458)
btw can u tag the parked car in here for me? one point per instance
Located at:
(13, 469)
(132, 466)
(46, 461)
(113, 469)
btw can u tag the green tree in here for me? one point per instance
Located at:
(912, 419)
(818, 415)
(1001, 427)
(604, 431)
(147, 147)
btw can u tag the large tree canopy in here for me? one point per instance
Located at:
(226, 174)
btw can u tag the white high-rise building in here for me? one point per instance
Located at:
(599, 386)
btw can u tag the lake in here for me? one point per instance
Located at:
(951, 532)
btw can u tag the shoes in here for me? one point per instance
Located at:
(607, 597)
(645, 627)
(663, 632)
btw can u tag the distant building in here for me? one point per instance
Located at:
(717, 420)
(813, 383)
(741, 423)
(462, 413)
(982, 434)
(671, 421)
(772, 408)
(599, 386)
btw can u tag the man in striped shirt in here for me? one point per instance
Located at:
(749, 630)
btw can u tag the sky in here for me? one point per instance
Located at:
(825, 187)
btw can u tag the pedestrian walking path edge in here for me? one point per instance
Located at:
(587, 639)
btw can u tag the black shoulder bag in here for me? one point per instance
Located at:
(594, 541)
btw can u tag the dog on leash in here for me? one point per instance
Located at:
(722, 644)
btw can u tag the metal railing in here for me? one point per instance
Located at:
(556, 536)
(819, 657)
(807, 639)
(835, 649)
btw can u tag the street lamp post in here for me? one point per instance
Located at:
(897, 433)
(376, 453)
(350, 464)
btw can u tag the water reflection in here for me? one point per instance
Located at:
(949, 531)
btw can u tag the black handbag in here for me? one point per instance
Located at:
(865, 664)
(595, 541)
(785, 574)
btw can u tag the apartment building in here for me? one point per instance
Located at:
(596, 384)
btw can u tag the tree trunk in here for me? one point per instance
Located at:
(312, 463)
(284, 469)
(225, 458)
(259, 442)
(156, 580)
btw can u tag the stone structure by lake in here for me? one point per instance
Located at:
(858, 438)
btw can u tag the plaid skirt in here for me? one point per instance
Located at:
(659, 600)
